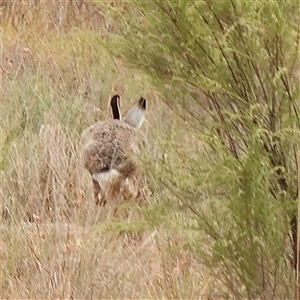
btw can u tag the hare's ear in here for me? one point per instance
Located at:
(136, 114)
(115, 106)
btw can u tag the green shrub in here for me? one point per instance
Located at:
(229, 69)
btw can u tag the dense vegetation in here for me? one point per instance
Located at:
(231, 70)
(220, 149)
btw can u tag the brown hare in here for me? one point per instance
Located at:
(110, 151)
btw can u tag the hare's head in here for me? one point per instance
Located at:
(134, 116)
(115, 106)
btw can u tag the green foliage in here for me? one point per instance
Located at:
(250, 228)
(229, 69)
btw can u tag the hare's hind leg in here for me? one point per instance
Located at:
(98, 196)
(103, 185)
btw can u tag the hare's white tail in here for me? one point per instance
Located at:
(105, 179)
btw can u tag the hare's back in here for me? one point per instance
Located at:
(107, 145)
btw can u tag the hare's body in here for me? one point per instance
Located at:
(110, 151)
(108, 145)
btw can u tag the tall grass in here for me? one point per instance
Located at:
(57, 78)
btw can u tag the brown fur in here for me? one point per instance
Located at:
(108, 145)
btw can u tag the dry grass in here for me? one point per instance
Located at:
(55, 243)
